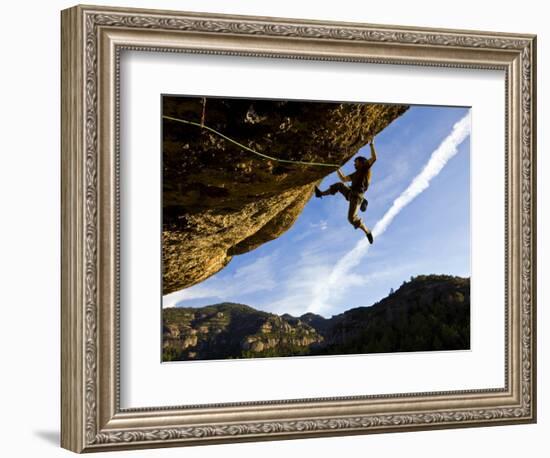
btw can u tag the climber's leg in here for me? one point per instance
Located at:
(333, 189)
(354, 204)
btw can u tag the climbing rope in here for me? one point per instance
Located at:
(203, 111)
(265, 156)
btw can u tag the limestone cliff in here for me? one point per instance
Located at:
(220, 200)
(233, 331)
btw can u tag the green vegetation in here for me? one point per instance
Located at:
(276, 352)
(430, 312)
(169, 354)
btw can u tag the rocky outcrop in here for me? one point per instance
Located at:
(233, 331)
(220, 200)
(277, 333)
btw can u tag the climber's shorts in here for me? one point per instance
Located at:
(354, 200)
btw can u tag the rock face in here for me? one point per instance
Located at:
(233, 331)
(220, 200)
(430, 312)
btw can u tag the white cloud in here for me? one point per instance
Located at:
(253, 277)
(312, 230)
(337, 281)
(322, 225)
(306, 280)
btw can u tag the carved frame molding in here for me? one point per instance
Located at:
(92, 39)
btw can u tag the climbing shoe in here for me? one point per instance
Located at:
(364, 205)
(369, 236)
(318, 192)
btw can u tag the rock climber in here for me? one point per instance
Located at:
(354, 194)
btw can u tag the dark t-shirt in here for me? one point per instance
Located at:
(360, 179)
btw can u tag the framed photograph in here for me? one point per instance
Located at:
(277, 228)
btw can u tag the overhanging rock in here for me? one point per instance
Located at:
(220, 200)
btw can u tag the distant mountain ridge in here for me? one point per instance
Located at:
(430, 312)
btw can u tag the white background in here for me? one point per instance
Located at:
(29, 246)
(145, 76)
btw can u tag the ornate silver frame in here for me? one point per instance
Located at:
(92, 38)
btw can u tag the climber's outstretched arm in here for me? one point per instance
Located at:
(343, 177)
(372, 152)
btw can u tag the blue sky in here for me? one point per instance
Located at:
(305, 269)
